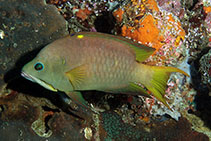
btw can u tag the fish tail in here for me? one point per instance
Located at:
(157, 83)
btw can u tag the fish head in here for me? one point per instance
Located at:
(48, 70)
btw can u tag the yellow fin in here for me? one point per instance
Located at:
(159, 80)
(142, 52)
(76, 76)
(139, 89)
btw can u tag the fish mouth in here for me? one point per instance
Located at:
(39, 81)
(27, 76)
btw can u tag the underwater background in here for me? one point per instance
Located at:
(179, 30)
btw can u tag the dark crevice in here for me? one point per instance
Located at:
(193, 5)
(47, 118)
(2, 108)
(46, 108)
(202, 99)
(105, 23)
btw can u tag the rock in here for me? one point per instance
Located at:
(25, 26)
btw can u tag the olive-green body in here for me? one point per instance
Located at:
(108, 65)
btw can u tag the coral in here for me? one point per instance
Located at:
(116, 129)
(118, 14)
(113, 128)
(147, 33)
(208, 26)
(159, 28)
(82, 14)
(205, 68)
(207, 9)
(173, 7)
(144, 22)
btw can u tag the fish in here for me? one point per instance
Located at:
(98, 61)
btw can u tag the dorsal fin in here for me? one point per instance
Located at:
(142, 52)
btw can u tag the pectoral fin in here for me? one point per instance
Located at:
(77, 76)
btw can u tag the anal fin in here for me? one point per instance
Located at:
(135, 87)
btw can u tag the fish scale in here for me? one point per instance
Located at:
(108, 72)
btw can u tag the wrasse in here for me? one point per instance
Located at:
(97, 61)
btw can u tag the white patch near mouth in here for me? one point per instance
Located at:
(36, 80)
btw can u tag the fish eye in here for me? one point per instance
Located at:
(38, 66)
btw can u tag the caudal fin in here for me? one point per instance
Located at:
(159, 80)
